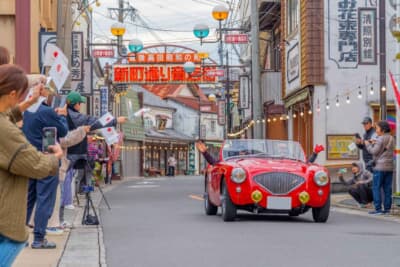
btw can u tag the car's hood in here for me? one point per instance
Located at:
(259, 165)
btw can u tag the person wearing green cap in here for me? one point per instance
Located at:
(78, 154)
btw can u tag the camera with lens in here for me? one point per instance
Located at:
(87, 188)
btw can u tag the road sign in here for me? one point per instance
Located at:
(236, 38)
(215, 73)
(103, 53)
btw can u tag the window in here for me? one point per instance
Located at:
(213, 127)
(161, 124)
(148, 123)
(292, 16)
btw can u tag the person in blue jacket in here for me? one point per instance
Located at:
(42, 192)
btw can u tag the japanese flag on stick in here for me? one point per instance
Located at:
(106, 119)
(59, 73)
(110, 135)
(52, 53)
(395, 88)
(141, 111)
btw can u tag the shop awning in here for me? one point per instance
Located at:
(167, 134)
(297, 97)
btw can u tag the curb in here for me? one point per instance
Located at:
(364, 213)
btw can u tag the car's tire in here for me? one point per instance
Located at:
(228, 209)
(320, 215)
(209, 208)
(294, 213)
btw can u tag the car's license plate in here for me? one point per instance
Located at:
(279, 203)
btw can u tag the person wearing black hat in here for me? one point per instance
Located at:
(368, 135)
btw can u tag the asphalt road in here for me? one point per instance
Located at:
(161, 223)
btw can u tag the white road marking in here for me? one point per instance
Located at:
(143, 186)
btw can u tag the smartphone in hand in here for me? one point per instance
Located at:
(49, 137)
(357, 135)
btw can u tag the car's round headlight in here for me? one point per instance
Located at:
(238, 175)
(321, 178)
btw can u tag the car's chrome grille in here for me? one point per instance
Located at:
(279, 182)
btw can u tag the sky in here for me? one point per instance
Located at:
(175, 20)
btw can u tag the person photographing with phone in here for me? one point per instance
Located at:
(360, 142)
(42, 128)
(19, 160)
(382, 149)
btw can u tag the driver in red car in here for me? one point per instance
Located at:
(203, 149)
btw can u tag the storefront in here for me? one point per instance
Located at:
(160, 145)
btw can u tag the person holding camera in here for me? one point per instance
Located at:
(359, 184)
(19, 160)
(368, 135)
(382, 151)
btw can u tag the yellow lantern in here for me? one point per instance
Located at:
(118, 29)
(203, 55)
(220, 12)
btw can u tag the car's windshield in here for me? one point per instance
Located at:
(262, 148)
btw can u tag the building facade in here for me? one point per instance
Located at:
(21, 21)
(333, 71)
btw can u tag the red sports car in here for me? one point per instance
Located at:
(266, 176)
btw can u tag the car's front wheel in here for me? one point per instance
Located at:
(228, 209)
(209, 208)
(320, 215)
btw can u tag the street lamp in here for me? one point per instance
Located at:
(118, 29)
(201, 31)
(189, 67)
(135, 45)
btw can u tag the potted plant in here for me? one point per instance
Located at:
(396, 199)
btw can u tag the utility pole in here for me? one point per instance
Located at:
(255, 66)
(64, 29)
(228, 96)
(120, 19)
(382, 60)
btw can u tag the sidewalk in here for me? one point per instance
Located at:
(80, 246)
(343, 202)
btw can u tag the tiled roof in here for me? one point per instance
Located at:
(193, 103)
(171, 91)
(151, 99)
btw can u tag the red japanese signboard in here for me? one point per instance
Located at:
(151, 58)
(103, 53)
(216, 73)
(236, 38)
(160, 73)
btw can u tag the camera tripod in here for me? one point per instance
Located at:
(88, 219)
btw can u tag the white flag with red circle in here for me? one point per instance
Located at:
(52, 53)
(59, 72)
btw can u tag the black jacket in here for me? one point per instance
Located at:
(76, 119)
(367, 136)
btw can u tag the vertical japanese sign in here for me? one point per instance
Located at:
(96, 111)
(103, 100)
(244, 92)
(221, 112)
(84, 86)
(367, 36)
(343, 33)
(77, 56)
